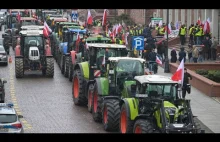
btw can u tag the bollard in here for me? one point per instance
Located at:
(10, 59)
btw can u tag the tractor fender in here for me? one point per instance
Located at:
(18, 50)
(47, 50)
(132, 107)
(102, 85)
(142, 116)
(84, 69)
(111, 97)
(73, 56)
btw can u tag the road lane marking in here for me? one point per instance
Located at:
(26, 125)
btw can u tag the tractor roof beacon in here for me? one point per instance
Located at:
(32, 53)
(159, 108)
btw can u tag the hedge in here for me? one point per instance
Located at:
(213, 75)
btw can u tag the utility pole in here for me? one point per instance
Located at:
(167, 68)
(115, 14)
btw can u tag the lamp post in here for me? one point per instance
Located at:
(166, 68)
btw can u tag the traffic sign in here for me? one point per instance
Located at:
(138, 42)
(74, 15)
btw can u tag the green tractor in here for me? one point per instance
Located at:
(105, 83)
(156, 107)
(75, 57)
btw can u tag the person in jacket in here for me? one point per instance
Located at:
(195, 54)
(182, 34)
(182, 54)
(186, 86)
(207, 48)
(173, 55)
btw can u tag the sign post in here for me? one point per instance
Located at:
(137, 44)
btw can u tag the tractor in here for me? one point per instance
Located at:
(156, 106)
(98, 79)
(75, 57)
(55, 40)
(33, 53)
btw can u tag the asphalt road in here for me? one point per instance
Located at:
(47, 104)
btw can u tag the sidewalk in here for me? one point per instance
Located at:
(205, 107)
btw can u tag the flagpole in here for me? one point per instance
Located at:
(166, 68)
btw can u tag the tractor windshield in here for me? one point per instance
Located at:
(33, 40)
(29, 22)
(133, 67)
(169, 90)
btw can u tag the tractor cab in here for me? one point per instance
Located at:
(161, 107)
(97, 39)
(32, 27)
(60, 25)
(47, 13)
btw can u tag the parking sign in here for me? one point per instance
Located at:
(138, 42)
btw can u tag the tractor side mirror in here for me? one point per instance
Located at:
(4, 81)
(4, 35)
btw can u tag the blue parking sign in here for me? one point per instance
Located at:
(138, 42)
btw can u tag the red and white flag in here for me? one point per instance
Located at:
(119, 28)
(87, 47)
(158, 60)
(104, 19)
(19, 16)
(77, 40)
(46, 30)
(89, 18)
(199, 21)
(179, 74)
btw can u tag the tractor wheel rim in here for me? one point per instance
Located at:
(137, 129)
(76, 87)
(123, 121)
(90, 99)
(105, 115)
(95, 102)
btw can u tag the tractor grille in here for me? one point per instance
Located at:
(34, 53)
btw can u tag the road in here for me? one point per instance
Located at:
(46, 104)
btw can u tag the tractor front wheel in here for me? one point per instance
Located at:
(111, 115)
(143, 126)
(97, 105)
(77, 89)
(50, 67)
(19, 67)
(126, 124)
(66, 65)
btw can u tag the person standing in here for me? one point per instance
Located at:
(173, 56)
(214, 48)
(182, 34)
(182, 54)
(186, 86)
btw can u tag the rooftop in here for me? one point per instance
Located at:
(157, 79)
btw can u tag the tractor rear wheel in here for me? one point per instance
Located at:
(70, 73)
(62, 63)
(66, 66)
(77, 88)
(126, 124)
(111, 115)
(96, 105)
(50, 67)
(19, 67)
(197, 125)
(143, 126)
(90, 97)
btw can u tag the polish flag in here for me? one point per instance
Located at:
(19, 16)
(179, 74)
(104, 19)
(160, 23)
(119, 28)
(199, 21)
(169, 28)
(46, 30)
(89, 18)
(206, 28)
(47, 27)
(158, 60)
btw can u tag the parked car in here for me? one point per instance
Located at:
(2, 19)
(3, 55)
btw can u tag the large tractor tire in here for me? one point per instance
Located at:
(70, 73)
(111, 115)
(62, 63)
(126, 125)
(19, 67)
(197, 125)
(96, 105)
(78, 90)
(66, 69)
(50, 67)
(144, 126)
(90, 97)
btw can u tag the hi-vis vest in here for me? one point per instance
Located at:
(183, 31)
(131, 32)
(191, 30)
(199, 33)
(161, 31)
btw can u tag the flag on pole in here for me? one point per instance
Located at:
(179, 74)
(158, 60)
(104, 19)
(89, 18)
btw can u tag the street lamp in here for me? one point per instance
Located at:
(167, 68)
